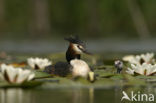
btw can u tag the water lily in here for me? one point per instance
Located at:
(140, 59)
(144, 69)
(15, 75)
(38, 63)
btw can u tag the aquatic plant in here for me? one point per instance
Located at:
(38, 63)
(15, 75)
(144, 69)
(140, 59)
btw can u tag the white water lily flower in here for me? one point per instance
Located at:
(139, 59)
(144, 69)
(15, 75)
(128, 58)
(38, 63)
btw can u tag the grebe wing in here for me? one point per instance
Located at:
(60, 69)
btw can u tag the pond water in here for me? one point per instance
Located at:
(74, 95)
(66, 95)
(107, 45)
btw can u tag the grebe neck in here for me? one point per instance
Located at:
(72, 54)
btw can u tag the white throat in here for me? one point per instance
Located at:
(77, 49)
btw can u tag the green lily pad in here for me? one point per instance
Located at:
(30, 84)
(132, 80)
(41, 74)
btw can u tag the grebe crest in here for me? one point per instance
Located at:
(75, 49)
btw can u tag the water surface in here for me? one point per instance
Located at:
(72, 95)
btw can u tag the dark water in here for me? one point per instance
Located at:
(71, 95)
(74, 95)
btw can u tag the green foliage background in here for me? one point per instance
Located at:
(88, 18)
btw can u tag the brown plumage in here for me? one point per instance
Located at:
(72, 53)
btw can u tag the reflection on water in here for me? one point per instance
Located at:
(70, 95)
(13, 96)
(74, 95)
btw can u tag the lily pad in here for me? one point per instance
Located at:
(41, 74)
(30, 84)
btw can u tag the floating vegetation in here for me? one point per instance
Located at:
(144, 69)
(105, 76)
(15, 75)
(143, 64)
(38, 63)
(140, 59)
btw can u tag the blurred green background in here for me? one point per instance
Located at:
(50, 19)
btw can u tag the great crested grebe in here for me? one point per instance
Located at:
(73, 65)
(119, 66)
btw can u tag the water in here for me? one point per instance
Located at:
(107, 45)
(72, 95)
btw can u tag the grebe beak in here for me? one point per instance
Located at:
(86, 52)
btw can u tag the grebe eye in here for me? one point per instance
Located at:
(79, 46)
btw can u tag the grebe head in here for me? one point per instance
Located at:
(77, 45)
